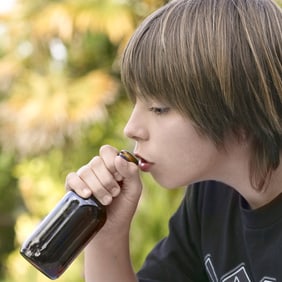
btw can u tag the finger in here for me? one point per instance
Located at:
(108, 153)
(105, 177)
(75, 183)
(130, 174)
(126, 169)
(89, 177)
(131, 184)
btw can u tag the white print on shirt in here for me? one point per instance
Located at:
(237, 274)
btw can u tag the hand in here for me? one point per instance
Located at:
(113, 181)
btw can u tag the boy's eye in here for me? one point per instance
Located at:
(159, 110)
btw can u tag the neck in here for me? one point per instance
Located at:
(235, 172)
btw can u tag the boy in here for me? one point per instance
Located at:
(205, 77)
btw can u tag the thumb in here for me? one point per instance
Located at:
(130, 175)
(125, 168)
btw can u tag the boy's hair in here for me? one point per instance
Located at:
(219, 62)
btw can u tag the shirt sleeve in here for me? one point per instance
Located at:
(178, 256)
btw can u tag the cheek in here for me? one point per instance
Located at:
(187, 163)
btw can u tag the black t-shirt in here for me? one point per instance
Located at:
(215, 236)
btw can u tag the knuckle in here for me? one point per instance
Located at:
(104, 148)
(70, 176)
(107, 150)
(83, 171)
(103, 196)
(96, 161)
(70, 179)
(109, 183)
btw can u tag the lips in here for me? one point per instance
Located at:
(143, 164)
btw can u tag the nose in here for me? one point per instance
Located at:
(135, 127)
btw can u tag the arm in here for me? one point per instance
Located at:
(109, 261)
(116, 184)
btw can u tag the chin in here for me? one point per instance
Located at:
(169, 183)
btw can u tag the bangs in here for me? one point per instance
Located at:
(167, 60)
(146, 70)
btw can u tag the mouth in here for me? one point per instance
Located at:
(143, 164)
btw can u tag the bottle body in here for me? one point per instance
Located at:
(63, 234)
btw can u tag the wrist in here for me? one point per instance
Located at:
(109, 260)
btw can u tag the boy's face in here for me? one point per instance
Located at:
(169, 146)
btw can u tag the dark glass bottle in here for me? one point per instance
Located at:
(65, 231)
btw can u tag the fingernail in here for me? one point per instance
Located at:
(107, 200)
(86, 192)
(115, 191)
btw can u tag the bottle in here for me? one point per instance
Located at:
(65, 231)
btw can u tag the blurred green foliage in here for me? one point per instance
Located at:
(60, 100)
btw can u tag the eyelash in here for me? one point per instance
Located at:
(159, 110)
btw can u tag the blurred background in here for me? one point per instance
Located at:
(60, 99)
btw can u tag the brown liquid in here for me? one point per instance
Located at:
(62, 235)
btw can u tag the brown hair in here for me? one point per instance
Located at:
(219, 62)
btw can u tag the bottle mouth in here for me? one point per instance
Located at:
(128, 156)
